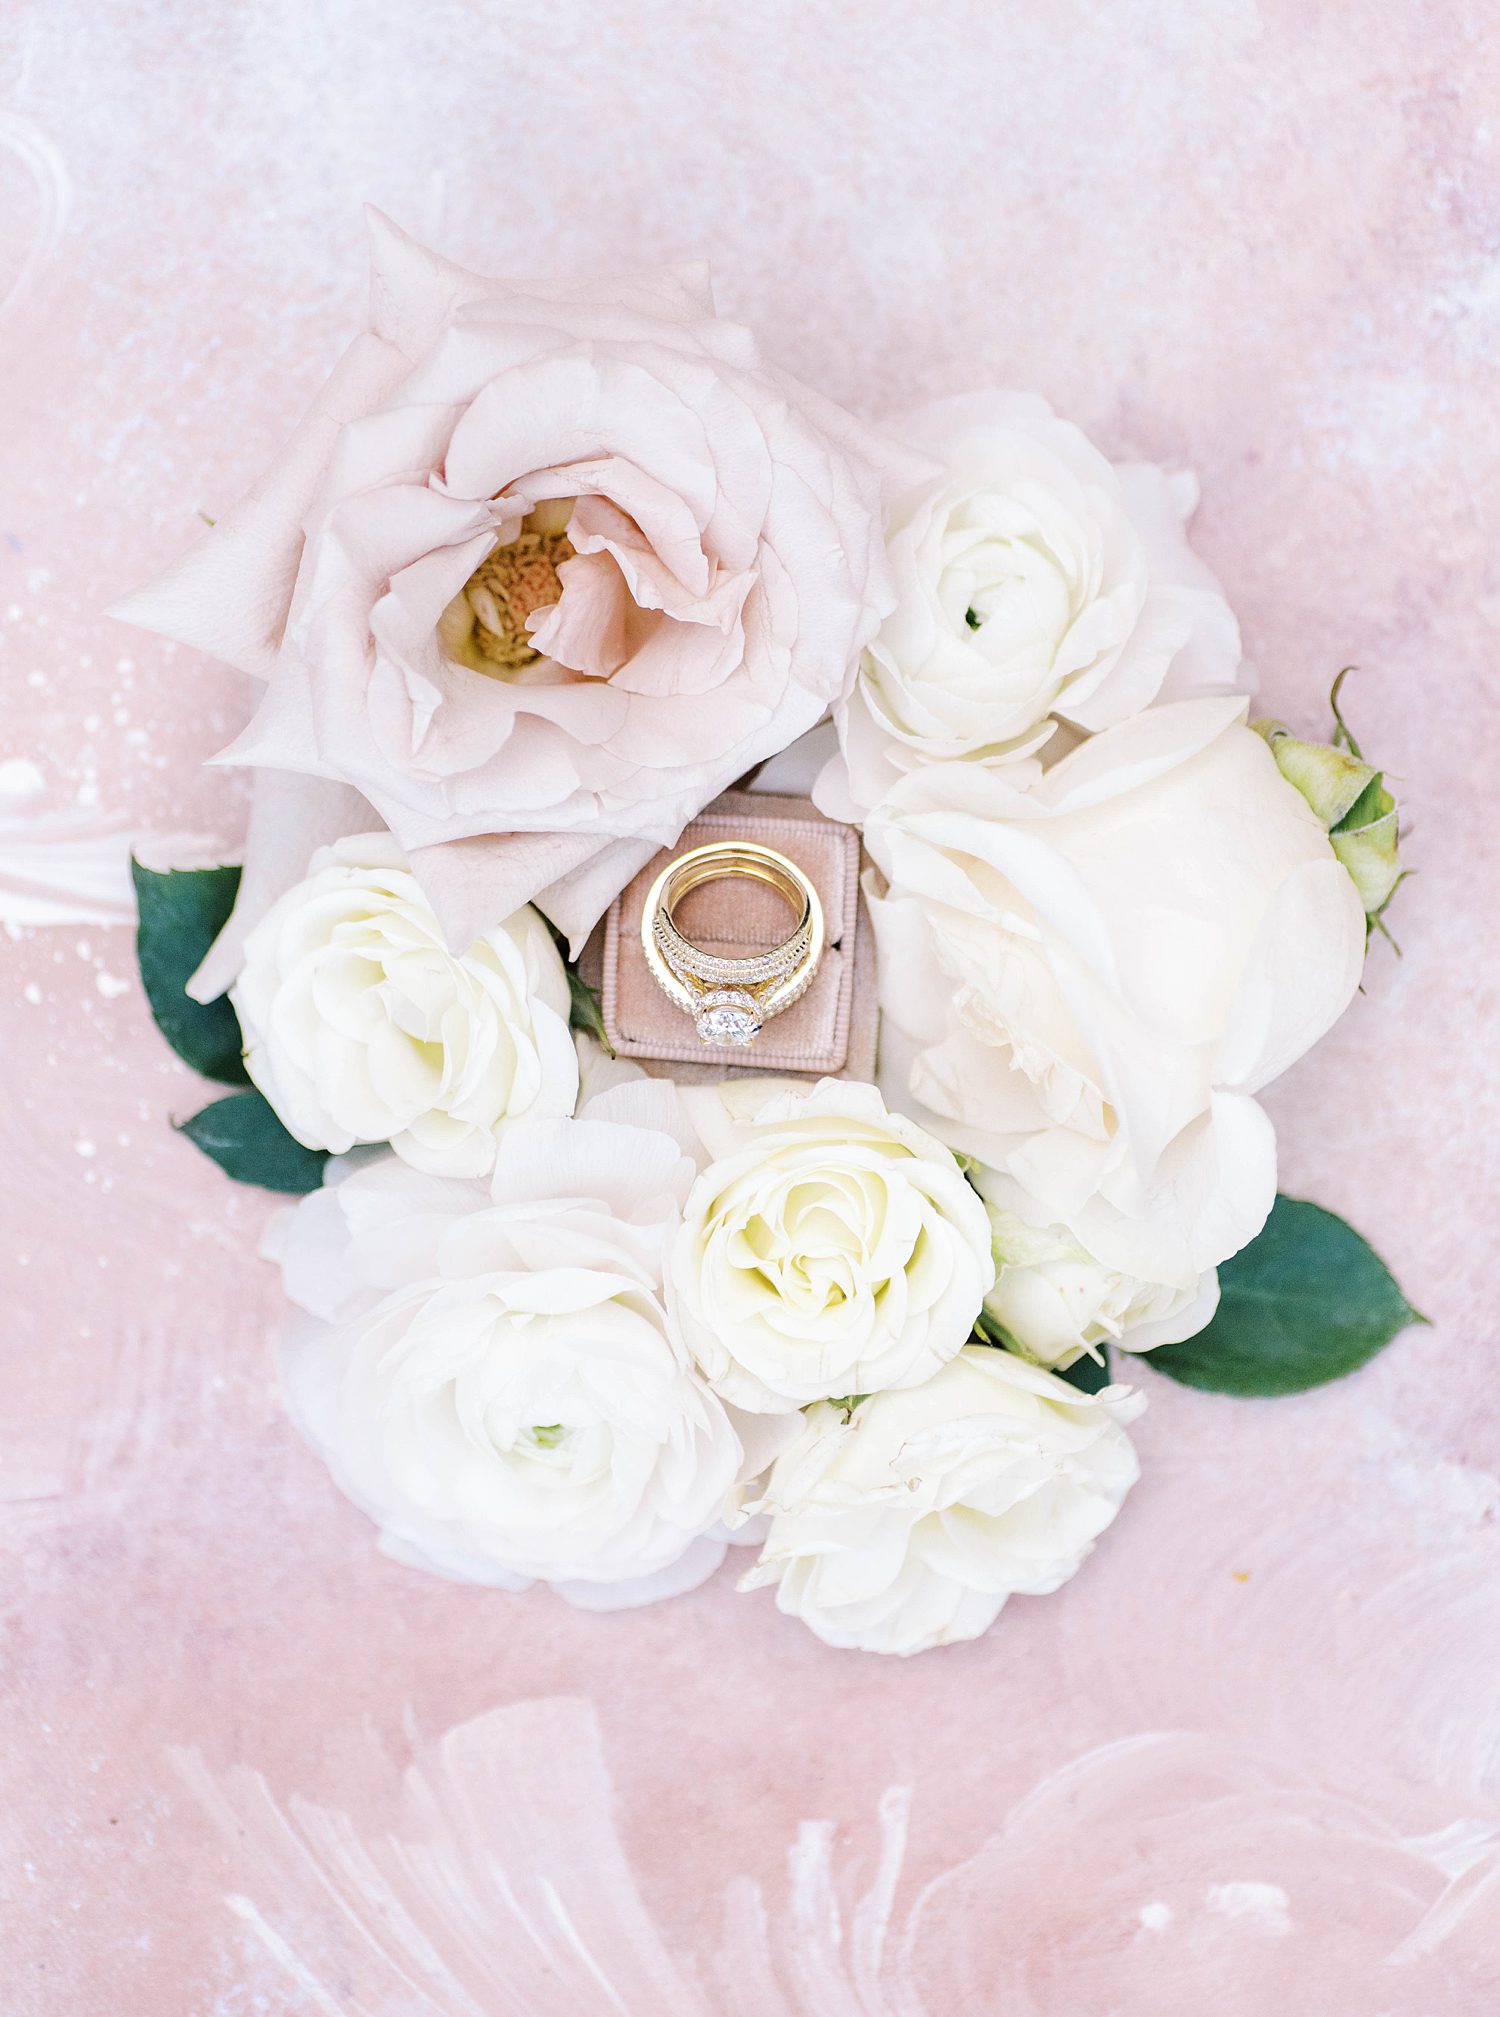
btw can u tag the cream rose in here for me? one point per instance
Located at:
(829, 1248)
(907, 1521)
(489, 1374)
(1054, 1302)
(544, 570)
(1035, 583)
(1084, 983)
(360, 1026)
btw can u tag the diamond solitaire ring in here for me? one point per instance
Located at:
(729, 999)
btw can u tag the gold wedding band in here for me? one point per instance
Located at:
(730, 999)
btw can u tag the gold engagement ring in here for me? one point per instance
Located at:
(730, 999)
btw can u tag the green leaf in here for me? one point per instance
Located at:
(248, 1142)
(1086, 1374)
(1306, 1302)
(181, 913)
(584, 1012)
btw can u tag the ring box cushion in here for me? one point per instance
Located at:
(830, 1032)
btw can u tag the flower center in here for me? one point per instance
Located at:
(484, 627)
(1011, 587)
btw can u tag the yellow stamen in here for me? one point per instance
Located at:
(484, 627)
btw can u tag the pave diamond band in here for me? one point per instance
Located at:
(681, 954)
(731, 999)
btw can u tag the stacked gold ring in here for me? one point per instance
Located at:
(731, 999)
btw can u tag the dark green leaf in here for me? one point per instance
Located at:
(584, 1012)
(1087, 1374)
(181, 914)
(1306, 1302)
(248, 1142)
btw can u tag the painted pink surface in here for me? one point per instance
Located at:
(1250, 1760)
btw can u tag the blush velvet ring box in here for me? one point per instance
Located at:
(829, 1032)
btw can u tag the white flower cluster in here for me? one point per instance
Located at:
(1105, 920)
(546, 569)
(585, 1348)
(591, 1366)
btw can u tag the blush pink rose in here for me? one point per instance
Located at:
(544, 569)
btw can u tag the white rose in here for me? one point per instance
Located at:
(490, 1375)
(831, 1248)
(360, 1025)
(1084, 983)
(1035, 583)
(907, 1522)
(1055, 1302)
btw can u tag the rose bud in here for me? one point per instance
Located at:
(1349, 797)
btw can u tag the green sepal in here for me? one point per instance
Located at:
(988, 1332)
(1343, 734)
(1331, 781)
(1350, 798)
(180, 914)
(1369, 854)
(1373, 804)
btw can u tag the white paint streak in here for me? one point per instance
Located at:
(563, 1920)
(43, 162)
(507, 1849)
(20, 778)
(872, 1915)
(279, 1951)
(59, 865)
(506, 1891)
(1265, 1905)
(493, 1881)
(1472, 1897)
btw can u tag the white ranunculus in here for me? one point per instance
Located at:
(360, 1025)
(489, 1373)
(1035, 583)
(1085, 982)
(1055, 1302)
(907, 1521)
(830, 1248)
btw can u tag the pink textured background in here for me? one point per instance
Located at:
(1250, 1759)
